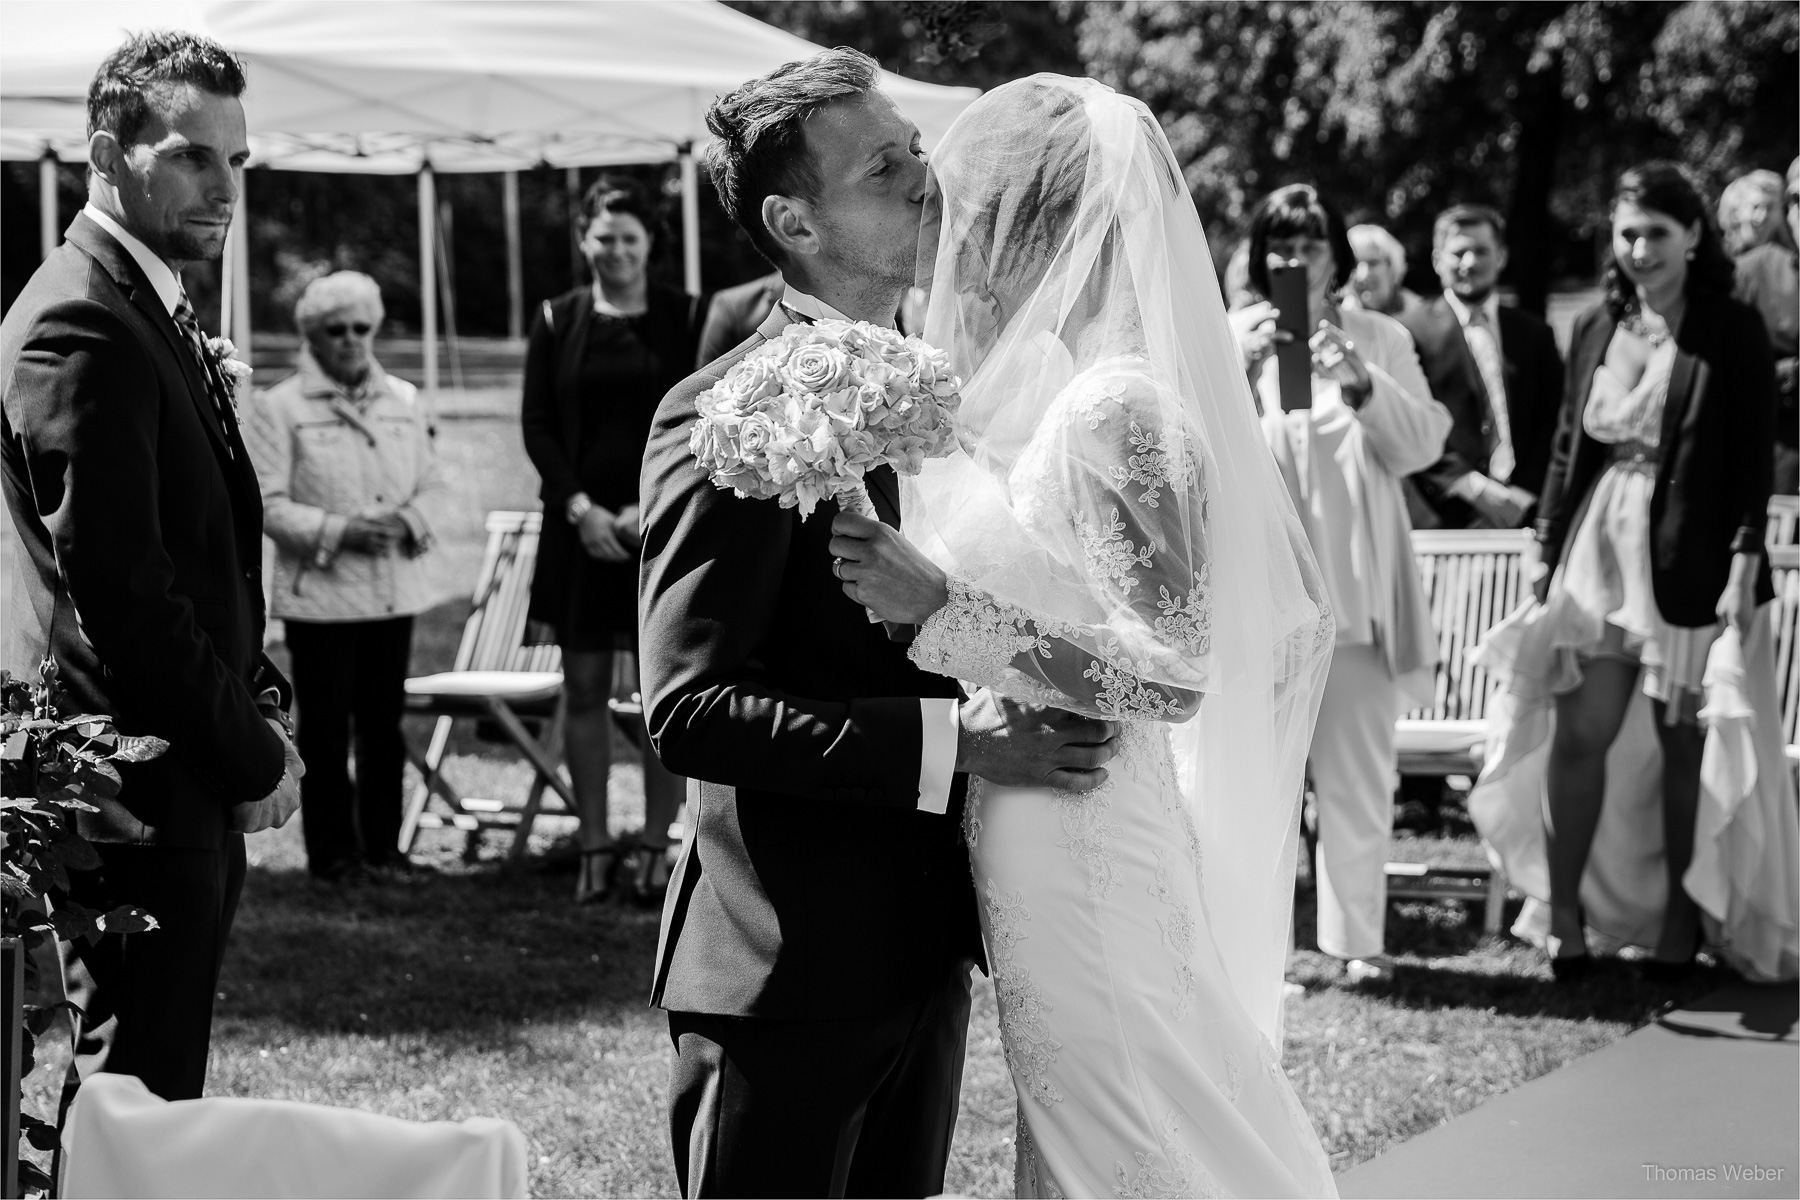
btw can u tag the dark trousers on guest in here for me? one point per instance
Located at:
(864, 1106)
(350, 685)
(148, 997)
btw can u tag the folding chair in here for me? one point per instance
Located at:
(495, 677)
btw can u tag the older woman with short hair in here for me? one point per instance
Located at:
(345, 458)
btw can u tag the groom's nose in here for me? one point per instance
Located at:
(918, 181)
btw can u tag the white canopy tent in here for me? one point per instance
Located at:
(421, 86)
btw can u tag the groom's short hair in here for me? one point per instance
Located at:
(143, 70)
(760, 147)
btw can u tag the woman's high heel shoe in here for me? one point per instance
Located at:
(599, 871)
(1570, 968)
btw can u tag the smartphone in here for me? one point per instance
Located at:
(1294, 358)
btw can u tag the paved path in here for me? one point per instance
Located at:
(1705, 1102)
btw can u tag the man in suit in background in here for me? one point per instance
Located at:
(735, 313)
(1498, 372)
(134, 546)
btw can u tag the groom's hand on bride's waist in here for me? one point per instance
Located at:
(1016, 744)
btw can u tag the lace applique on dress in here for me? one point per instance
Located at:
(1234, 1077)
(1184, 1175)
(1178, 932)
(1090, 403)
(1110, 555)
(1123, 695)
(975, 637)
(1030, 1050)
(1029, 1176)
(1088, 833)
(1187, 620)
(1162, 461)
(972, 798)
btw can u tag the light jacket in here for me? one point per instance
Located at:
(323, 458)
(1364, 546)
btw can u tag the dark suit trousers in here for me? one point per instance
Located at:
(858, 1107)
(148, 997)
(350, 675)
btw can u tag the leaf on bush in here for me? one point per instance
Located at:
(39, 1017)
(76, 853)
(70, 800)
(127, 919)
(12, 885)
(138, 749)
(84, 719)
(16, 745)
(73, 921)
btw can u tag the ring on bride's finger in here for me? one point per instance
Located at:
(837, 567)
(1349, 345)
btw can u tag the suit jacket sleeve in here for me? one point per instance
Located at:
(1751, 467)
(1564, 488)
(1403, 424)
(91, 443)
(712, 573)
(538, 420)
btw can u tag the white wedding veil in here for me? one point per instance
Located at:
(1064, 247)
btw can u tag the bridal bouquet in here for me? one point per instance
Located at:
(804, 417)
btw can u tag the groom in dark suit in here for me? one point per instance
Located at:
(821, 924)
(133, 549)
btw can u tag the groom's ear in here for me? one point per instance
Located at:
(790, 223)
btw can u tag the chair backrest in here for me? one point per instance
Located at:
(1472, 580)
(1784, 521)
(1785, 563)
(493, 637)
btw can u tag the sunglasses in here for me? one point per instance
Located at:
(339, 329)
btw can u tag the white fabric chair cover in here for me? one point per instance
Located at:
(121, 1140)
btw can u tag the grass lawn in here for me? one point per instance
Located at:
(478, 992)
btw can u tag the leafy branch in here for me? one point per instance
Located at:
(51, 767)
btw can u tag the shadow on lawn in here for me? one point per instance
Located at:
(479, 952)
(1463, 967)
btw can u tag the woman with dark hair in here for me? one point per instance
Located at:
(1372, 423)
(1650, 548)
(600, 359)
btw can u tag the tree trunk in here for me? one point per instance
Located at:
(1530, 232)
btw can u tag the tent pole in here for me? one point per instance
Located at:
(234, 279)
(690, 221)
(428, 274)
(572, 191)
(49, 224)
(515, 267)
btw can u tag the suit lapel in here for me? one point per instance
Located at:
(125, 272)
(1687, 379)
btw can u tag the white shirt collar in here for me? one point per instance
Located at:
(168, 287)
(801, 304)
(1490, 308)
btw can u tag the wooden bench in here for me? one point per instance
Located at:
(1472, 580)
(496, 677)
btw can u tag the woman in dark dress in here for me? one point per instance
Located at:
(600, 359)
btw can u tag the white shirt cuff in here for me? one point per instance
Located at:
(1468, 487)
(939, 723)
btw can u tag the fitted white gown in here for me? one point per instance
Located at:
(1139, 1071)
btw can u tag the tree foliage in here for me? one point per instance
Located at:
(1400, 108)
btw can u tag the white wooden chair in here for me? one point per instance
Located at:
(1472, 580)
(1784, 561)
(495, 677)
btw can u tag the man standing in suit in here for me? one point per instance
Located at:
(735, 313)
(133, 551)
(820, 926)
(1498, 372)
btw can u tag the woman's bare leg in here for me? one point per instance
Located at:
(1587, 721)
(587, 747)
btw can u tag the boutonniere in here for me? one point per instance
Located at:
(233, 370)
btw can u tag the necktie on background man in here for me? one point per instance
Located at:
(1486, 349)
(215, 386)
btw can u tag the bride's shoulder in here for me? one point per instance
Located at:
(1118, 387)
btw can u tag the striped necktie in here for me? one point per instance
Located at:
(1486, 350)
(215, 386)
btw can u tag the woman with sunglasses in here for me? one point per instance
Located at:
(344, 455)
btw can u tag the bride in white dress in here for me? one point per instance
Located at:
(1115, 541)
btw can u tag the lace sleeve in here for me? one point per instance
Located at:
(1114, 491)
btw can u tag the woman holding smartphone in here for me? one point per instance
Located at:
(1343, 449)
